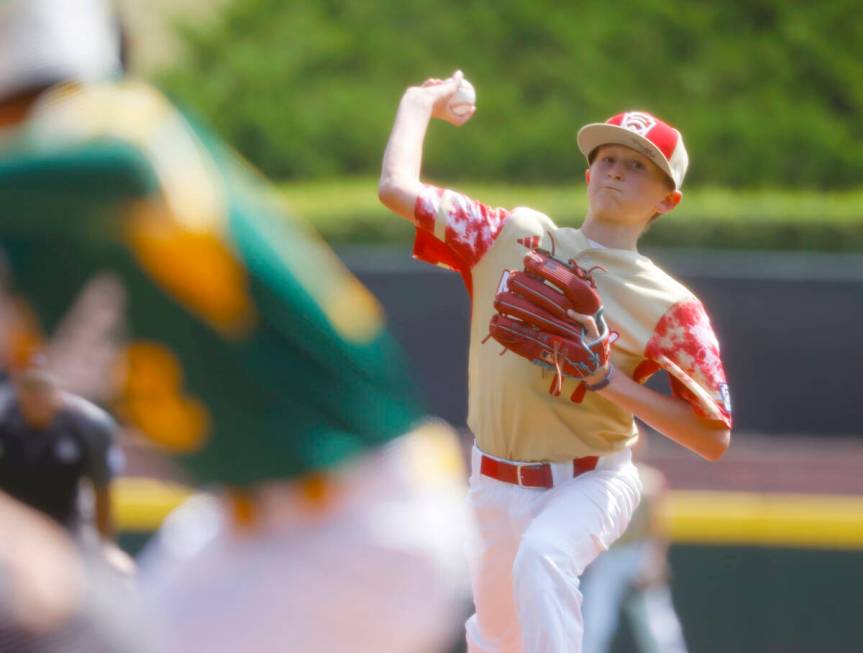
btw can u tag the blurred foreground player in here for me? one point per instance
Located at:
(252, 355)
(54, 598)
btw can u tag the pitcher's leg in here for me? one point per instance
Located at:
(580, 520)
(490, 550)
(494, 627)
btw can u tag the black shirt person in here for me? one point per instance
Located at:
(50, 441)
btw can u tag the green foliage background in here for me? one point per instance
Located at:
(348, 211)
(767, 92)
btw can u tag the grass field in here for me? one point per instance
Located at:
(348, 210)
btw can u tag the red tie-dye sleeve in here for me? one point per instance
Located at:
(684, 345)
(463, 228)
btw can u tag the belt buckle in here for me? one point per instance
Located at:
(521, 468)
(518, 475)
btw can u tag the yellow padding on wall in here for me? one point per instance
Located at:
(756, 519)
(140, 504)
(720, 518)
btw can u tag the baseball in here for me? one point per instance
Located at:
(463, 99)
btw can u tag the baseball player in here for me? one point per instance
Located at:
(51, 441)
(250, 353)
(552, 482)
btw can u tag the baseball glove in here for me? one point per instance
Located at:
(532, 320)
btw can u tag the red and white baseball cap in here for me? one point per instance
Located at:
(643, 132)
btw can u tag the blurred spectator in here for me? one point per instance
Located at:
(631, 578)
(250, 353)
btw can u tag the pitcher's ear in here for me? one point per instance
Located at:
(587, 176)
(670, 201)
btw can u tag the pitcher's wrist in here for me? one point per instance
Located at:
(601, 379)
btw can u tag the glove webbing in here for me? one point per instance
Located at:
(557, 381)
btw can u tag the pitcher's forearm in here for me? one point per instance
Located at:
(400, 173)
(400, 184)
(670, 416)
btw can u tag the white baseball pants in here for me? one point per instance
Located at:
(531, 546)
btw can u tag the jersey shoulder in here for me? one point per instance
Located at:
(635, 291)
(127, 110)
(650, 278)
(125, 129)
(88, 414)
(526, 217)
(526, 227)
(81, 142)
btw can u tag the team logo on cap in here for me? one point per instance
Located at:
(640, 123)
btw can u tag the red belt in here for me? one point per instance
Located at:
(531, 474)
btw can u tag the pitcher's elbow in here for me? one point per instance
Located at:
(390, 192)
(716, 445)
(385, 192)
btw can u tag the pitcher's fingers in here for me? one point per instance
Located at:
(462, 119)
(586, 321)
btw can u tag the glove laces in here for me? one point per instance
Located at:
(557, 381)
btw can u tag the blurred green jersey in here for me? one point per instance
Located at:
(251, 353)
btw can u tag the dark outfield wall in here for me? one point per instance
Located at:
(759, 600)
(790, 326)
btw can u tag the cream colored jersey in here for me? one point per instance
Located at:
(661, 326)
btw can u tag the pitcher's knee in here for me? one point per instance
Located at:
(539, 562)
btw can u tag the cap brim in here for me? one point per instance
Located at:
(595, 134)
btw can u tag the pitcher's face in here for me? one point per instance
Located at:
(625, 186)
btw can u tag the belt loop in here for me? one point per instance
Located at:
(585, 464)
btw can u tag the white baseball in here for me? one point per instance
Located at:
(463, 99)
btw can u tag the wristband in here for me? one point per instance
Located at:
(601, 384)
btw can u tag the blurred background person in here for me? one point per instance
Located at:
(248, 351)
(632, 578)
(58, 452)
